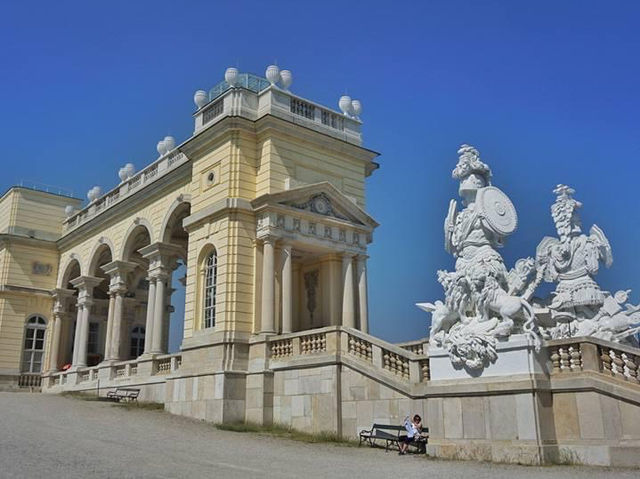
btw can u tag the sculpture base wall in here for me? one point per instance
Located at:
(515, 356)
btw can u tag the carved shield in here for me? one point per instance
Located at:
(497, 211)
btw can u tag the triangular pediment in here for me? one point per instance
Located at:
(322, 199)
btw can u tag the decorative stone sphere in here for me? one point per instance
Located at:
(68, 210)
(122, 173)
(130, 169)
(94, 193)
(231, 76)
(356, 107)
(169, 143)
(345, 104)
(161, 147)
(200, 98)
(286, 79)
(273, 74)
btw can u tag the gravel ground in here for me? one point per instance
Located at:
(57, 437)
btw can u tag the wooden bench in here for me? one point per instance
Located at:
(124, 394)
(392, 434)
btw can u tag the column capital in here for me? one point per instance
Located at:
(271, 239)
(85, 285)
(347, 255)
(162, 257)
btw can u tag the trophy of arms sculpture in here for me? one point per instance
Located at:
(483, 301)
(578, 306)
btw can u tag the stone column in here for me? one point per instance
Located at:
(118, 271)
(363, 299)
(287, 289)
(268, 280)
(55, 342)
(85, 286)
(348, 299)
(158, 314)
(148, 330)
(109, 339)
(162, 260)
(77, 334)
(83, 340)
(116, 332)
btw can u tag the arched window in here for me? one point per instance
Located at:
(210, 277)
(34, 345)
(137, 342)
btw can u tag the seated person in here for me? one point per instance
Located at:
(413, 428)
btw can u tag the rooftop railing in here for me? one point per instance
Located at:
(156, 170)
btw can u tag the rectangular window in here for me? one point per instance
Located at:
(92, 346)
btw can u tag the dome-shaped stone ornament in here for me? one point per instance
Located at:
(122, 173)
(231, 76)
(497, 210)
(286, 79)
(200, 98)
(356, 107)
(94, 193)
(161, 147)
(272, 74)
(69, 210)
(345, 105)
(169, 143)
(130, 169)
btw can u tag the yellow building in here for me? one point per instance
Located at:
(30, 224)
(264, 204)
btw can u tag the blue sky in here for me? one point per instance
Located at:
(548, 92)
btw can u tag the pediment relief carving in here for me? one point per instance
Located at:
(320, 204)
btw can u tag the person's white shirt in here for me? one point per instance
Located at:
(411, 428)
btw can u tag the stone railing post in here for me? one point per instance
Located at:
(590, 357)
(414, 371)
(333, 341)
(295, 345)
(376, 354)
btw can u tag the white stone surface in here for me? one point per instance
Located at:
(514, 357)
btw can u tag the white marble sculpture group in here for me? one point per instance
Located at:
(485, 303)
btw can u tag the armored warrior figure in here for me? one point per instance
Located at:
(480, 304)
(579, 307)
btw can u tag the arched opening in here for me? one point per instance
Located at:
(70, 309)
(33, 350)
(175, 234)
(96, 344)
(137, 301)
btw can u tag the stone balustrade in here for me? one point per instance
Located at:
(420, 346)
(121, 373)
(397, 362)
(592, 354)
(29, 381)
(146, 176)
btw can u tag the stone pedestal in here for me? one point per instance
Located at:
(516, 356)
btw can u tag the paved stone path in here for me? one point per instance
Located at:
(57, 437)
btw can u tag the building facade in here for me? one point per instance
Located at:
(265, 206)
